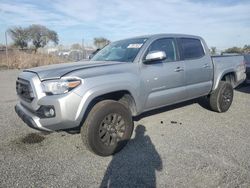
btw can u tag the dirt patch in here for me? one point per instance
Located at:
(32, 138)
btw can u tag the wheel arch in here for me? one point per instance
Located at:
(123, 96)
(229, 76)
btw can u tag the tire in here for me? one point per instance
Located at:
(107, 128)
(221, 99)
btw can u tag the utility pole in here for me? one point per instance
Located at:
(83, 49)
(6, 49)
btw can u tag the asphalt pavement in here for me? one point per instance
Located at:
(184, 145)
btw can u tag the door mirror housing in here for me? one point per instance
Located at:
(155, 56)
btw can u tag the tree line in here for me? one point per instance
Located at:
(99, 43)
(38, 35)
(238, 50)
(244, 50)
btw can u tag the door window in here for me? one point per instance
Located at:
(167, 45)
(191, 48)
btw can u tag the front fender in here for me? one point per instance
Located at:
(102, 89)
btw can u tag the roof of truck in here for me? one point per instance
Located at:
(166, 35)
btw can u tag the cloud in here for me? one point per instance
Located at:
(223, 23)
(27, 13)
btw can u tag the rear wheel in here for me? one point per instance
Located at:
(107, 128)
(221, 99)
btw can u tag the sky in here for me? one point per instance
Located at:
(222, 23)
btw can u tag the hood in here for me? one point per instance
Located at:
(58, 70)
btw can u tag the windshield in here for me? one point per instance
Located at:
(124, 50)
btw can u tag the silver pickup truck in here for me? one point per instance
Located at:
(123, 80)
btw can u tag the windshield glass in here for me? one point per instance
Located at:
(124, 50)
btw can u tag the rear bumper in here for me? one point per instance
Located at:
(240, 74)
(248, 75)
(240, 78)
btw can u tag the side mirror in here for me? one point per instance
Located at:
(90, 56)
(155, 56)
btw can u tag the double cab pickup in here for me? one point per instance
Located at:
(124, 79)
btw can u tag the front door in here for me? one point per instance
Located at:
(164, 81)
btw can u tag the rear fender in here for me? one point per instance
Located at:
(219, 77)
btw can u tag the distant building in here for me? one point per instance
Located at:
(52, 50)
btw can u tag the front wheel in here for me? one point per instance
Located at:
(107, 128)
(221, 99)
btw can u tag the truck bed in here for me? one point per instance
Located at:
(229, 63)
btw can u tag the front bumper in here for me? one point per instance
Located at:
(66, 108)
(28, 118)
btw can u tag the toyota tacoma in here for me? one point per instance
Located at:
(124, 79)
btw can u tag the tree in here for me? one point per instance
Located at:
(101, 42)
(233, 50)
(213, 50)
(246, 49)
(20, 36)
(41, 36)
(76, 46)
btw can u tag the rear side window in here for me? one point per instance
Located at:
(191, 48)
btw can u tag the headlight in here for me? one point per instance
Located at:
(55, 87)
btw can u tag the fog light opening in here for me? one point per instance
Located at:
(49, 112)
(46, 112)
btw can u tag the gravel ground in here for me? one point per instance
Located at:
(184, 145)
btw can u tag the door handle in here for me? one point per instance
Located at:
(179, 69)
(206, 65)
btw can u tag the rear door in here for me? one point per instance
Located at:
(198, 67)
(163, 80)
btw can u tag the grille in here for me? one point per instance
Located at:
(24, 90)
